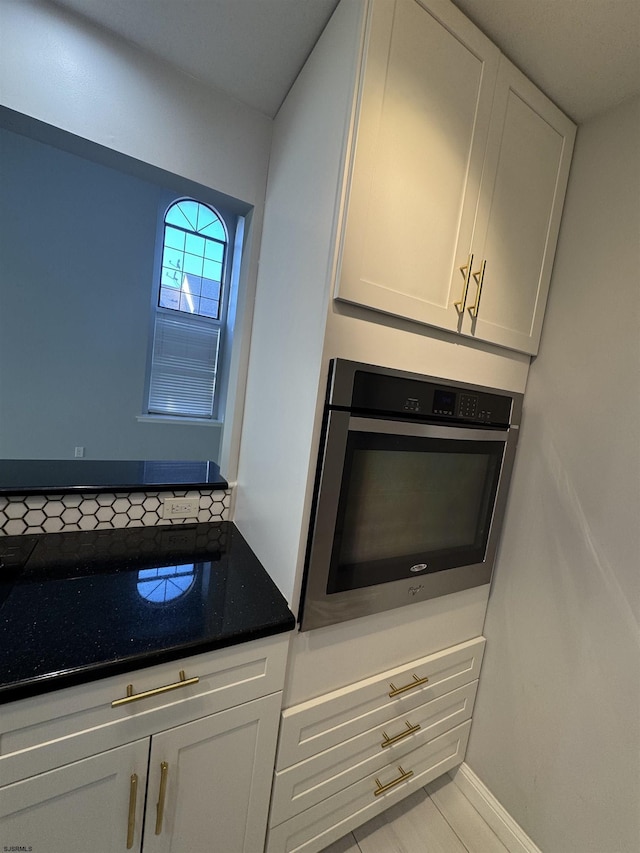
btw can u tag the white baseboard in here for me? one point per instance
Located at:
(514, 838)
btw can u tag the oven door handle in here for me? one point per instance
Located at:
(420, 430)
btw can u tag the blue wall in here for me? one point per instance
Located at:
(77, 243)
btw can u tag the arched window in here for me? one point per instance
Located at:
(193, 259)
(190, 310)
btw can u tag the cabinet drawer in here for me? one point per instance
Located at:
(53, 729)
(312, 727)
(313, 780)
(314, 829)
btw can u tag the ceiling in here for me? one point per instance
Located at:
(585, 54)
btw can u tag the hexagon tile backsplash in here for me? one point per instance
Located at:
(103, 511)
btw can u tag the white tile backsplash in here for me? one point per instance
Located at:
(62, 512)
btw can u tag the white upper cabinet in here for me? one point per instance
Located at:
(421, 135)
(455, 154)
(521, 197)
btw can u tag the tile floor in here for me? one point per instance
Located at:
(435, 819)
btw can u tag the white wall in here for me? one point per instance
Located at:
(70, 74)
(556, 732)
(61, 70)
(291, 303)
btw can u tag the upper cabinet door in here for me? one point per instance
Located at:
(420, 138)
(522, 193)
(458, 175)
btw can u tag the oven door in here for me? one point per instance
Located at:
(404, 511)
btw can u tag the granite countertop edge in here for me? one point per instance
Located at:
(255, 608)
(49, 477)
(95, 672)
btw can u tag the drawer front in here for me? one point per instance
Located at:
(309, 782)
(317, 827)
(312, 727)
(47, 731)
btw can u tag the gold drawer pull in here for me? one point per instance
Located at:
(396, 691)
(466, 273)
(156, 691)
(164, 772)
(411, 730)
(479, 279)
(404, 775)
(131, 821)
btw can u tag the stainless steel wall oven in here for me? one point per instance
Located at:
(410, 490)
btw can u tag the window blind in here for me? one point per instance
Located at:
(183, 366)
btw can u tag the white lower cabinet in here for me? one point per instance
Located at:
(207, 787)
(217, 775)
(78, 808)
(347, 756)
(201, 786)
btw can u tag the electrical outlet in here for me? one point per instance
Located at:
(180, 507)
(78, 452)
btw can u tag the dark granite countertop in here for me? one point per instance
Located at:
(75, 607)
(54, 476)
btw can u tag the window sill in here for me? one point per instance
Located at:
(168, 419)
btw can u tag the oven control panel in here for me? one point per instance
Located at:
(468, 405)
(380, 393)
(463, 405)
(458, 404)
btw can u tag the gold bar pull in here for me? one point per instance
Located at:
(131, 822)
(404, 775)
(396, 691)
(156, 691)
(466, 273)
(479, 278)
(164, 772)
(411, 730)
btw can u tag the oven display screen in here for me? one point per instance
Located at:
(444, 402)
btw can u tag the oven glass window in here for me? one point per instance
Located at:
(408, 501)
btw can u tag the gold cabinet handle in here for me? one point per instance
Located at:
(135, 697)
(396, 691)
(404, 775)
(164, 772)
(410, 730)
(466, 273)
(479, 277)
(131, 822)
